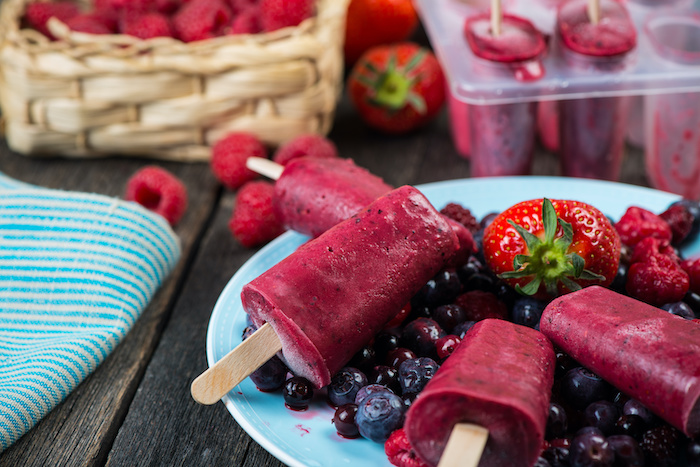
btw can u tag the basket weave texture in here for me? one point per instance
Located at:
(97, 95)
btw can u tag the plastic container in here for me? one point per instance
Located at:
(672, 121)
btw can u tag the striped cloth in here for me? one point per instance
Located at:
(76, 271)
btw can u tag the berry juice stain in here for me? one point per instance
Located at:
(302, 429)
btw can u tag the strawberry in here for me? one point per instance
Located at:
(397, 88)
(548, 248)
(377, 22)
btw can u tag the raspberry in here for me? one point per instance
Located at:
(247, 22)
(637, 223)
(254, 221)
(692, 268)
(657, 281)
(229, 156)
(277, 14)
(680, 219)
(651, 246)
(464, 216)
(238, 6)
(197, 20)
(147, 25)
(659, 445)
(39, 13)
(481, 305)
(311, 145)
(158, 190)
(400, 452)
(167, 7)
(87, 23)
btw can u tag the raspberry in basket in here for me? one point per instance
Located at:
(254, 221)
(87, 23)
(147, 25)
(158, 190)
(38, 13)
(197, 20)
(229, 155)
(311, 145)
(247, 21)
(277, 14)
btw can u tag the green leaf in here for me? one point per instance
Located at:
(571, 285)
(531, 287)
(591, 276)
(519, 261)
(549, 220)
(415, 61)
(578, 263)
(531, 240)
(417, 102)
(373, 69)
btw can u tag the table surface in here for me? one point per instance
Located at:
(136, 408)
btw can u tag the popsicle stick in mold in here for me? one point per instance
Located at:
(209, 387)
(265, 167)
(594, 11)
(465, 445)
(496, 17)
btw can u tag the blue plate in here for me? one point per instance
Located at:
(309, 438)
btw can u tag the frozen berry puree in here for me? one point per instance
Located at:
(518, 40)
(612, 35)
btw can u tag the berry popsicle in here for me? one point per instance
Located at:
(500, 378)
(502, 136)
(314, 194)
(592, 130)
(648, 353)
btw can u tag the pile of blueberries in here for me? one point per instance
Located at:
(590, 423)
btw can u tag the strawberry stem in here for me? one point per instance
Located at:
(549, 261)
(392, 88)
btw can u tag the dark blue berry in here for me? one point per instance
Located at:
(270, 376)
(344, 385)
(692, 451)
(580, 387)
(379, 415)
(421, 335)
(681, 309)
(634, 407)
(557, 421)
(468, 269)
(590, 450)
(368, 391)
(384, 342)
(627, 451)
(487, 219)
(542, 462)
(480, 281)
(527, 311)
(386, 376)
(297, 392)
(441, 289)
(620, 279)
(602, 414)
(461, 329)
(414, 374)
(630, 425)
(693, 301)
(448, 316)
(344, 421)
(693, 207)
(248, 331)
(364, 360)
(557, 456)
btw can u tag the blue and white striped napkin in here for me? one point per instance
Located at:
(76, 271)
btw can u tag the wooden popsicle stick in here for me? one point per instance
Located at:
(465, 445)
(266, 167)
(594, 11)
(496, 17)
(209, 387)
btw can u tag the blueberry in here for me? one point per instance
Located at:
(564, 363)
(527, 311)
(580, 387)
(557, 456)
(270, 376)
(297, 392)
(480, 281)
(631, 425)
(681, 309)
(368, 391)
(461, 329)
(627, 451)
(379, 415)
(590, 449)
(693, 300)
(344, 421)
(620, 279)
(468, 269)
(693, 453)
(449, 316)
(441, 289)
(557, 421)
(487, 219)
(386, 376)
(364, 360)
(384, 342)
(414, 374)
(602, 414)
(542, 462)
(421, 335)
(344, 385)
(693, 207)
(248, 331)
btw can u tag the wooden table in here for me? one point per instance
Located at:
(136, 408)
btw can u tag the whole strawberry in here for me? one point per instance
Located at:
(548, 248)
(397, 88)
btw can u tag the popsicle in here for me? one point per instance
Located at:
(647, 353)
(500, 378)
(502, 136)
(313, 194)
(331, 296)
(592, 130)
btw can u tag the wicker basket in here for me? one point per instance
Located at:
(97, 95)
